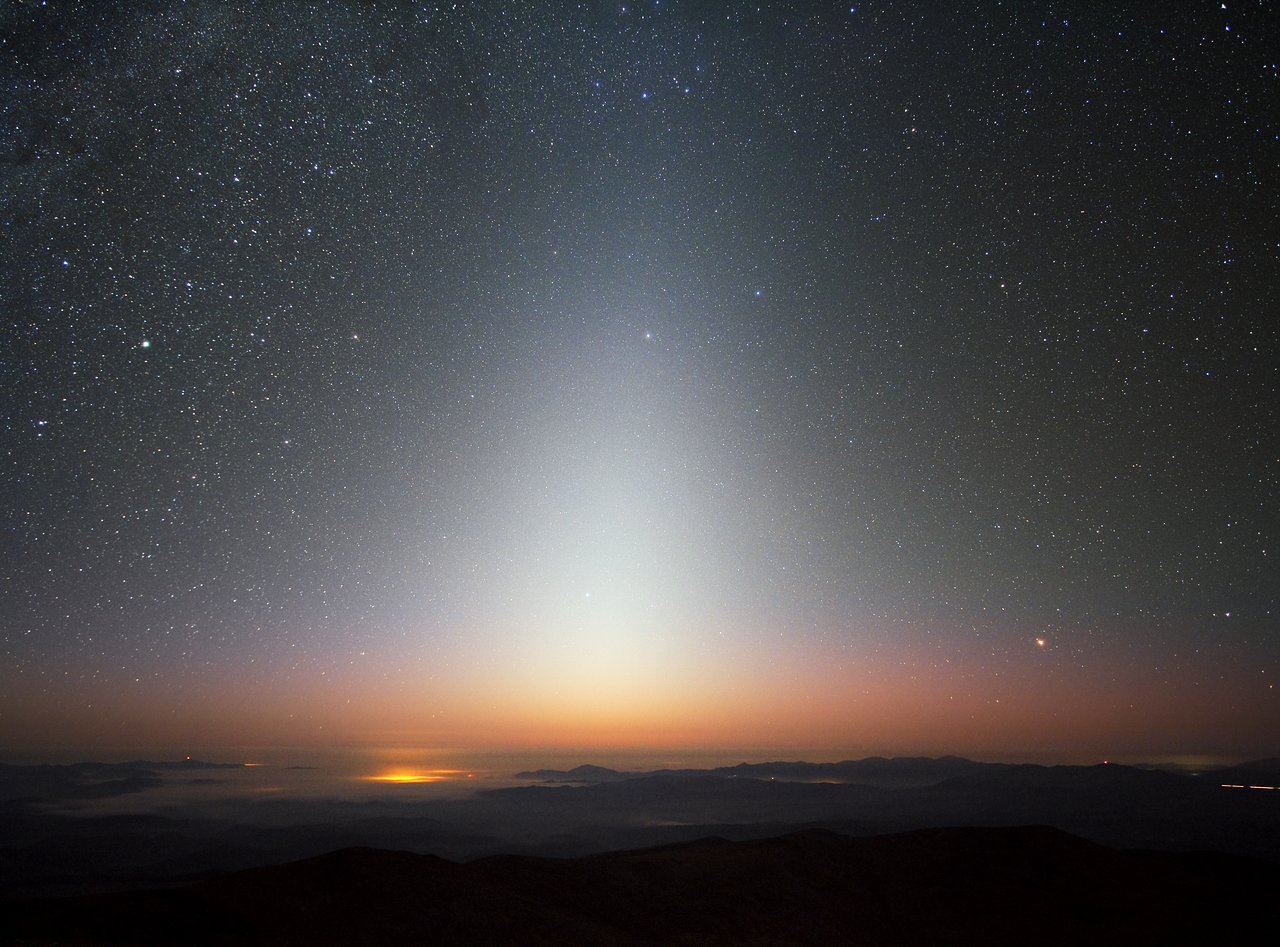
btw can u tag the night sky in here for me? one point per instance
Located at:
(887, 377)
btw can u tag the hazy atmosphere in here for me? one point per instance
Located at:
(482, 386)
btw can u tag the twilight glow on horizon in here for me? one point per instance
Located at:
(883, 378)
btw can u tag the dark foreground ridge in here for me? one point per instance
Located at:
(936, 886)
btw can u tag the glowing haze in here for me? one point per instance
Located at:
(850, 379)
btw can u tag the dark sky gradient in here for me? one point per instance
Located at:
(897, 377)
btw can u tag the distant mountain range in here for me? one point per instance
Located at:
(45, 849)
(880, 771)
(873, 771)
(1027, 885)
(45, 783)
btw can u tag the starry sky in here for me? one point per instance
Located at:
(887, 377)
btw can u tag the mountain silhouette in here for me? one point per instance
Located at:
(937, 886)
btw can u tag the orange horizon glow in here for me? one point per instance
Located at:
(902, 704)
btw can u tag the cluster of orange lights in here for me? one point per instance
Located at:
(400, 776)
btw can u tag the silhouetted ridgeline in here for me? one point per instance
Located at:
(943, 886)
(62, 833)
